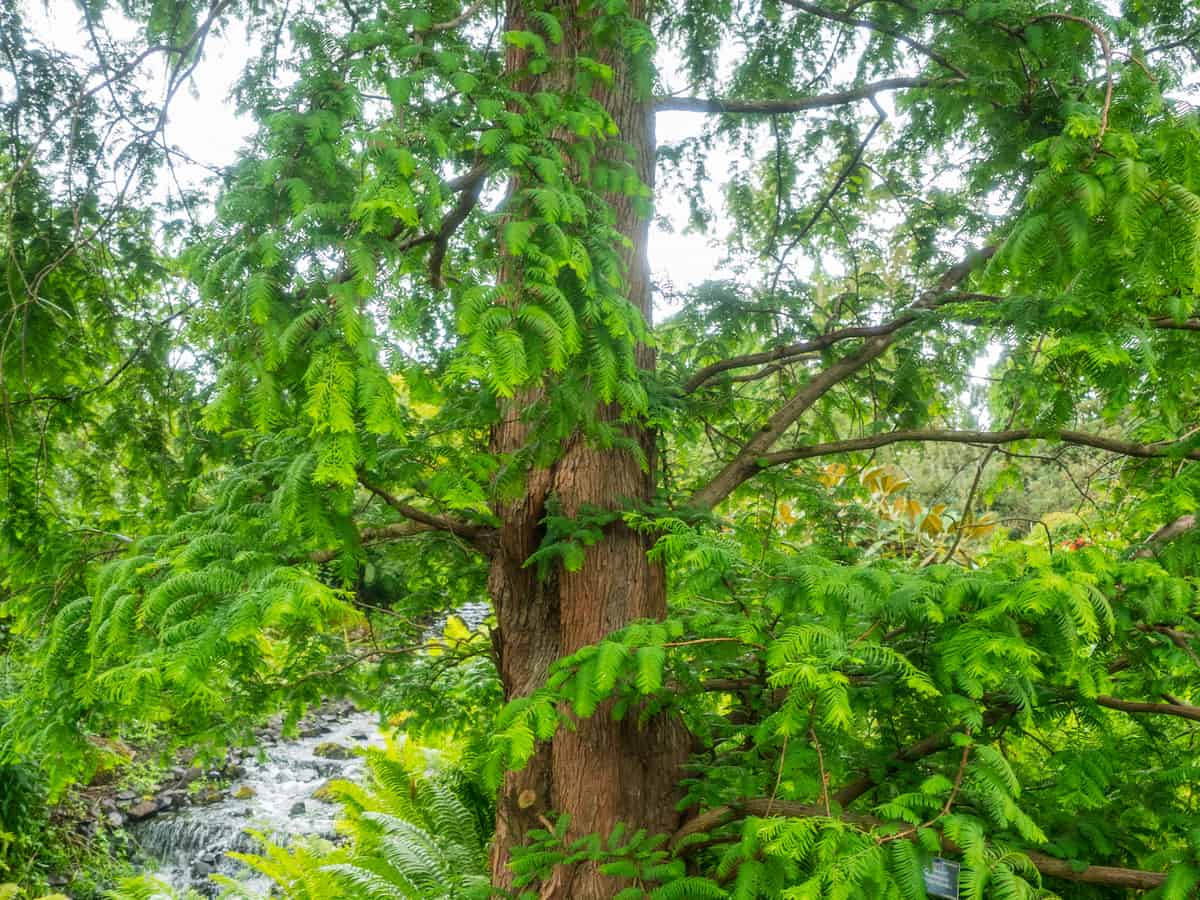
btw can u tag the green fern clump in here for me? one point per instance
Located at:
(411, 830)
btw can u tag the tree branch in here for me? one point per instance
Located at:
(1168, 532)
(821, 342)
(1180, 639)
(779, 105)
(471, 187)
(1138, 879)
(1105, 46)
(478, 535)
(872, 441)
(467, 14)
(927, 746)
(1168, 322)
(746, 463)
(879, 28)
(827, 198)
(824, 341)
(1182, 710)
(377, 535)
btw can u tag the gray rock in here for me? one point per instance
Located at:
(126, 796)
(332, 750)
(298, 809)
(143, 810)
(115, 819)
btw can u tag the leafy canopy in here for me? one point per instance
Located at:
(246, 449)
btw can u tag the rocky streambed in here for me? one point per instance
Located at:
(185, 826)
(276, 791)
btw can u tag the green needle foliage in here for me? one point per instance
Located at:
(774, 546)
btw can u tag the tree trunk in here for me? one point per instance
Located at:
(604, 772)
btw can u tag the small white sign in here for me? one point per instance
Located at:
(941, 878)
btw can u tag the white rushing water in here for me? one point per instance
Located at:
(274, 796)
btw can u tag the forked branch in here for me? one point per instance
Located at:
(746, 462)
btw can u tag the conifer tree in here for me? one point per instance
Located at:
(411, 359)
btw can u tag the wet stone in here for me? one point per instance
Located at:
(143, 810)
(332, 750)
(276, 800)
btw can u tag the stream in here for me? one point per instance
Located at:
(274, 795)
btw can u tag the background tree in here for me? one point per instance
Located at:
(420, 328)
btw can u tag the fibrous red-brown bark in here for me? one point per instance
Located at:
(602, 772)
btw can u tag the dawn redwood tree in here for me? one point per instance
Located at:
(420, 326)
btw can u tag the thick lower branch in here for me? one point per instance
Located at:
(927, 746)
(1176, 324)
(743, 466)
(1111, 876)
(873, 441)
(1168, 532)
(471, 187)
(1182, 710)
(378, 535)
